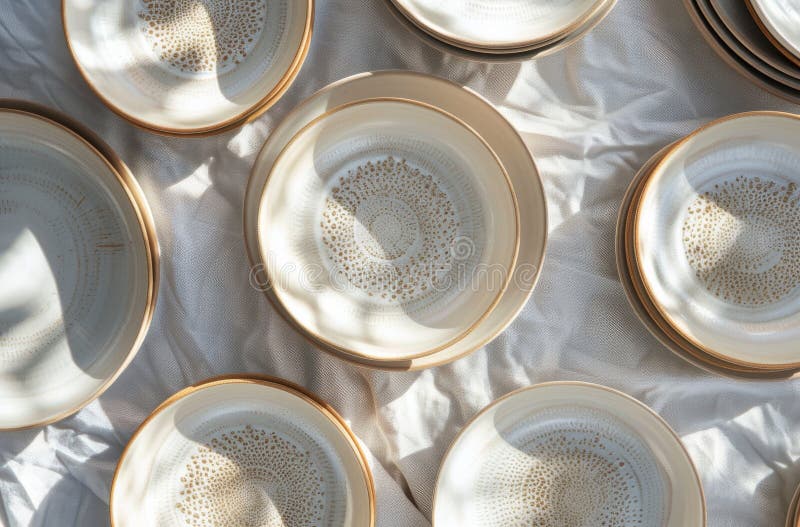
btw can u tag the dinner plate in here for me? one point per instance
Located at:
(502, 24)
(568, 454)
(737, 18)
(502, 55)
(243, 451)
(602, 7)
(490, 124)
(781, 20)
(78, 266)
(188, 68)
(388, 228)
(647, 313)
(741, 49)
(714, 239)
(727, 55)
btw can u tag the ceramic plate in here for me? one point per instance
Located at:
(77, 269)
(489, 123)
(742, 67)
(647, 312)
(188, 67)
(504, 24)
(388, 228)
(243, 451)
(781, 18)
(502, 55)
(715, 244)
(741, 49)
(568, 454)
(738, 20)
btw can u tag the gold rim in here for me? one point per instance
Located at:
(145, 221)
(767, 33)
(507, 280)
(407, 365)
(648, 315)
(242, 118)
(741, 67)
(453, 40)
(263, 380)
(636, 210)
(624, 395)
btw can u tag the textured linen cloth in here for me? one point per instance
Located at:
(591, 115)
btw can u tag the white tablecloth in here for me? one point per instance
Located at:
(591, 115)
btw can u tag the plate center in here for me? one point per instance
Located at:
(201, 37)
(740, 238)
(389, 228)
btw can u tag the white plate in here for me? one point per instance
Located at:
(500, 24)
(188, 67)
(715, 239)
(388, 228)
(739, 21)
(242, 451)
(782, 20)
(487, 121)
(744, 51)
(568, 454)
(77, 283)
(502, 55)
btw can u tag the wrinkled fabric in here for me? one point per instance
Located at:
(591, 115)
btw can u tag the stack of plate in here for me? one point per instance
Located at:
(500, 30)
(396, 220)
(707, 246)
(78, 266)
(568, 454)
(793, 516)
(759, 38)
(189, 68)
(243, 451)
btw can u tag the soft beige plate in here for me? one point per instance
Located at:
(243, 450)
(714, 239)
(503, 56)
(781, 20)
(188, 68)
(741, 50)
(490, 124)
(388, 228)
(568, 453)
(78, 269)
(647, 312)
(501, 24)
(739, 21)
(600, 11)
(742, 67)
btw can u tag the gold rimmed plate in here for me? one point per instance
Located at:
(739, 21)
(388, 228)
(188, 68)
(743, 51)
(647, 312)
(568, 453)
(502, 56)
(243, 450)
(742, 67)
(78, 266)
(491, 125)
(510, 25)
